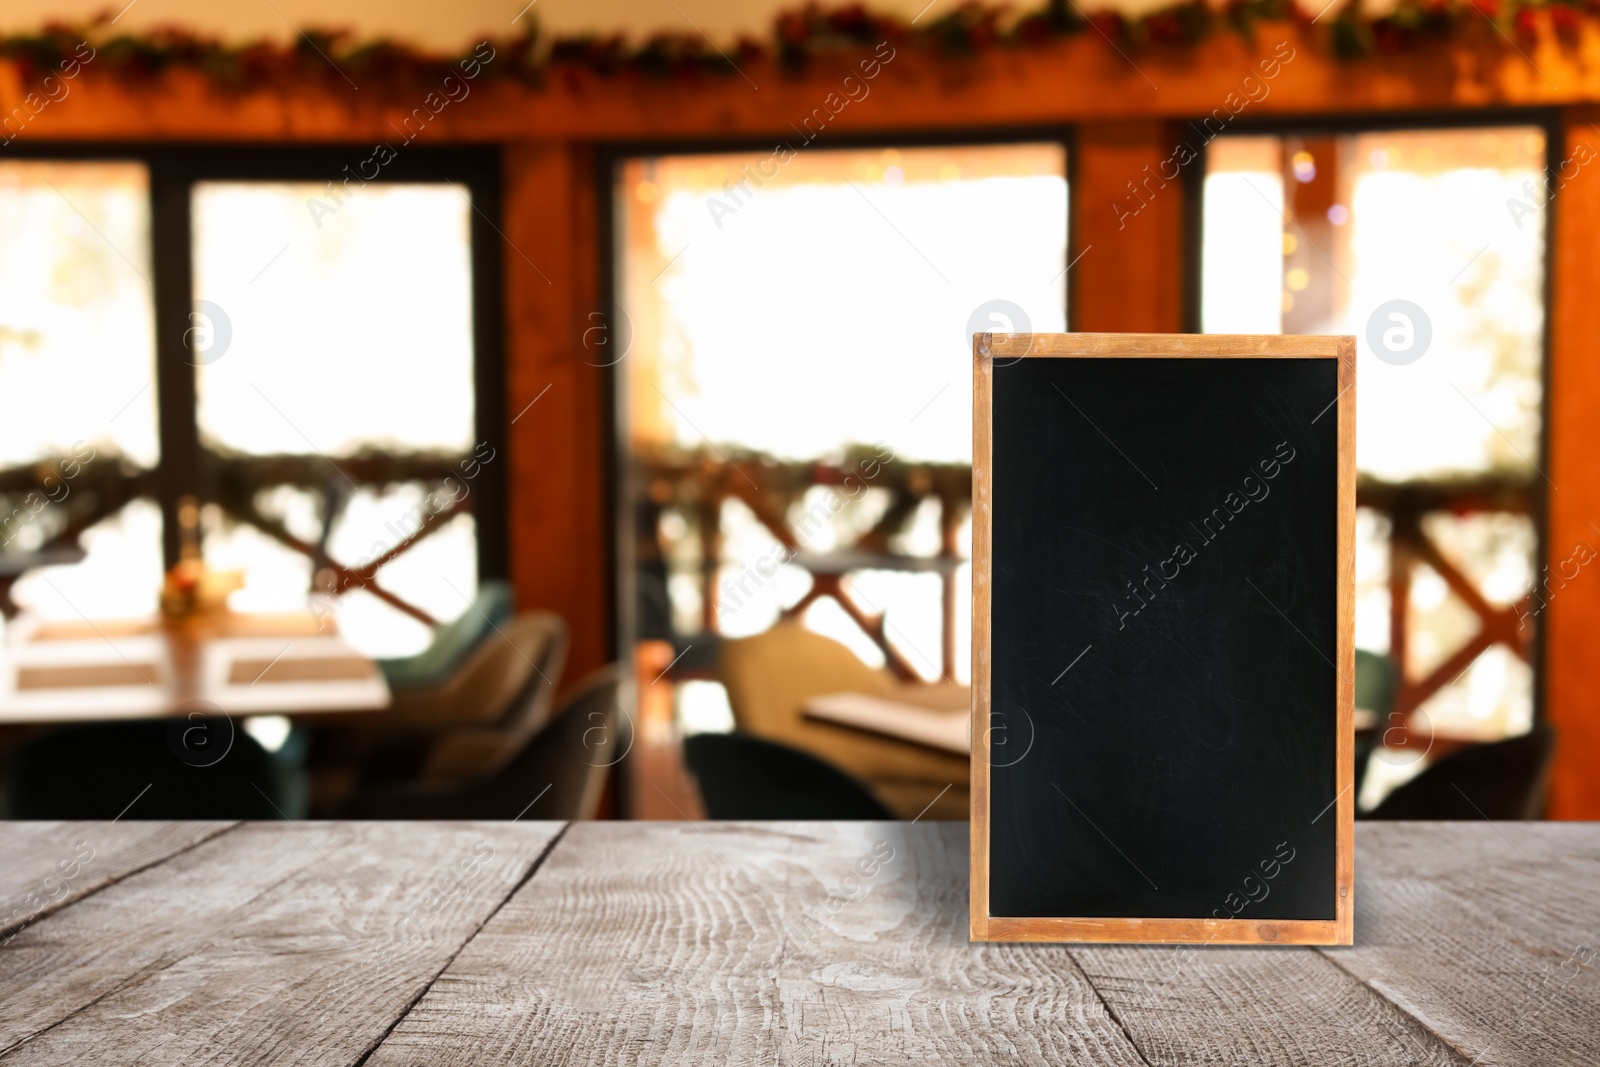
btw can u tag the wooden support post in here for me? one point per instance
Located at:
(1127, 229)
(1572, 663)
(555, 400)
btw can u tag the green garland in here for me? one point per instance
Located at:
(329, 57)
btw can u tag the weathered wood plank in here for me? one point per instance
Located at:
(278, 943)
(1250, 1006)
(800, 943)
(1487, 934)
(152, 920)
(1215, 1004)
(49, 865)
(1540, 878)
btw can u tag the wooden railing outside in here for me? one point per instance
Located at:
(105, 486)
(697, 484)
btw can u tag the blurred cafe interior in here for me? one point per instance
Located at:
(457, 411)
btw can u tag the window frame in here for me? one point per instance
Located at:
(1549, 121)
(610, 158)
(175, 168)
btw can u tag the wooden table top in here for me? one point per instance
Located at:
(140, 668)
(725, 943)
(949, 730)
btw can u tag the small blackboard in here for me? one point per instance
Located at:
(1163, 659)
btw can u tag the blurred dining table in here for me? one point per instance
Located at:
(59, 671)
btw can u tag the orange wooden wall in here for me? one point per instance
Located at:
(1130, 276)
(1572, 624)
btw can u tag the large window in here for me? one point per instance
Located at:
(798, 385)
(1429, 246)
(297, 349)
(77, 359)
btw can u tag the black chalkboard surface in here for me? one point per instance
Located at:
(1163, 654)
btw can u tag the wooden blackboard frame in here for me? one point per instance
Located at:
(988, 349)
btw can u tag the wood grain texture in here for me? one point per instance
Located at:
(716, 944)
(1008, 346)
(1244, 1007)
(789, 943)
(992, 348)
(49, 865)
(1344, 800)
(1166, 931)
(151, 921)
(1490, 935)
(278, 943)
(982, 593)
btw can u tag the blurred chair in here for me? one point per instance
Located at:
(1503, 780)
(452, 642)
(470, 725)
(770, 676)
(96, 770)
(481, 730)
(560, 773)
(743, 777)
(1377, 683)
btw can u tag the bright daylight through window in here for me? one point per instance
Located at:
(791, 332)
(377, 361)
(78, 342)
(322, 430)
(1428, 246)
